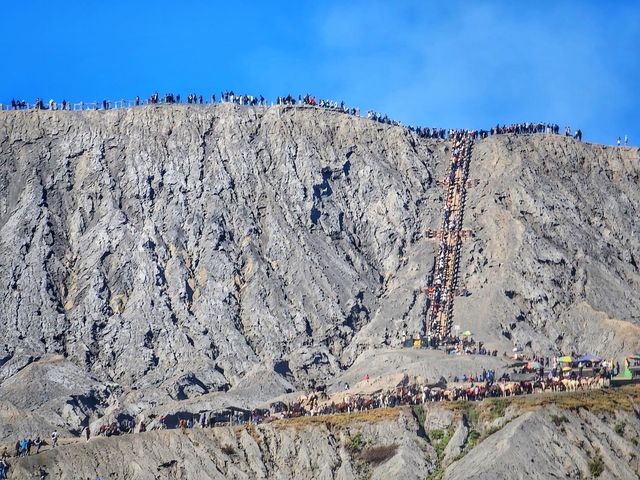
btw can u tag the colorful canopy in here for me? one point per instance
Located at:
(589, 358)
(466, 333)
(565, 359)
(534, 365)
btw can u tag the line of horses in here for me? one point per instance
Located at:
(415, 394)
(320, 403)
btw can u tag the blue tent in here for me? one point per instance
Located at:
(589, 358)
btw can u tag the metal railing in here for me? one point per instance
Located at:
(234, 100)
(124, 104)
(120, 104)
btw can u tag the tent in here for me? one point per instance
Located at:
(589, 358)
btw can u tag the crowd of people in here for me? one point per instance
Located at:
(467, 387)
(248, 100)
(311, 101)
(443, 278)
(113, 428)
(307, 100)
(24, 448)
(529, 128)
(626, 141)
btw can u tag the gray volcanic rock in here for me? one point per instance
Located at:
(239, 453)
(50, 394)
(183, 251)
(554, 262)
(550, 443)
(534, 443)
(456, 445)
(160, 246)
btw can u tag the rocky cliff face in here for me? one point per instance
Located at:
(555, 258)
(186, 248)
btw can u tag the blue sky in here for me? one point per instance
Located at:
(450, 64)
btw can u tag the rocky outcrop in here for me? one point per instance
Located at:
(51, 394)
(552, 443)
(322, 451)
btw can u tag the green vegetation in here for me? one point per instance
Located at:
(476, 416)
(619, 429)
(340, 420)
(364, 457)
(355, 444)
(558, 420)
(470, 412)
(228, 450)
(497, 408)
(436, 474)
(471, 417)
(596, 466)
(605, 400)
(439, 439)
(420, 416)
(473, 437)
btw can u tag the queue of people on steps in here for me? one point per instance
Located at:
(443, 278)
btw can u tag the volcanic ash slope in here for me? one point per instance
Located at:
(184, 248)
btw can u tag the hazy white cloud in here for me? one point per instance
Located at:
(486, 62)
